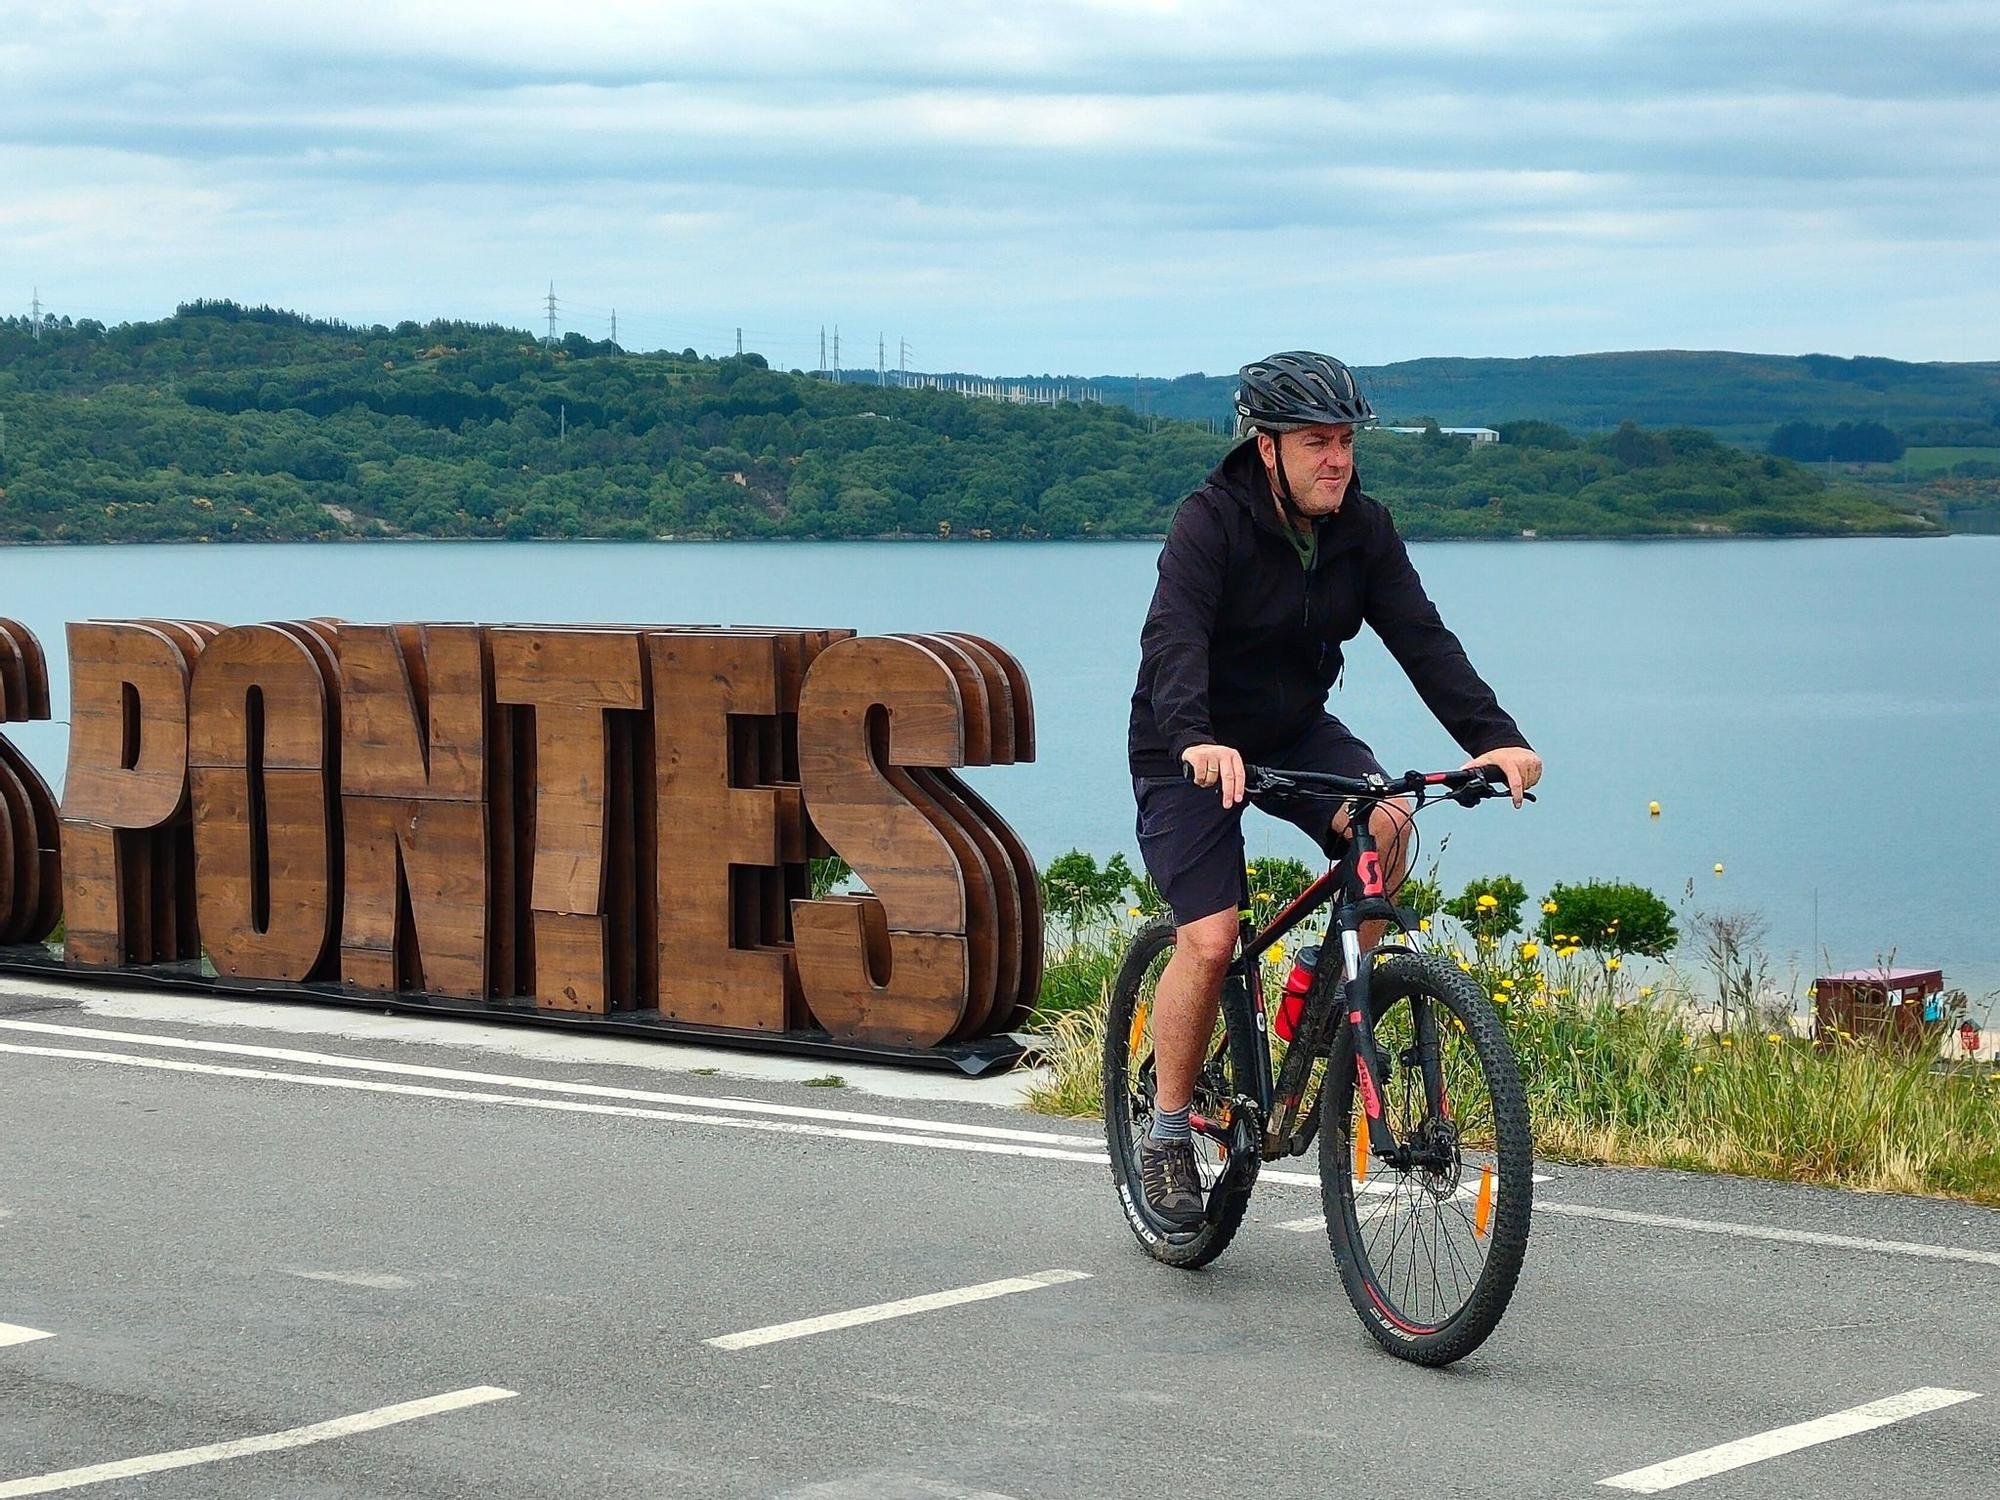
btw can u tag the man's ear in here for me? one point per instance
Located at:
(1267, 450)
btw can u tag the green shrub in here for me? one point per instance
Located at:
(1424, 897)
(1505, 895)
(1610, 915)
(1077, 892)
(1278, 880)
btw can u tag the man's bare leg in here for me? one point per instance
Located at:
(1185, 1006)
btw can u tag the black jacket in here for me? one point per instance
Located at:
(1242, 645)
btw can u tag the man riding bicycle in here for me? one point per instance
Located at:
(1274, 563)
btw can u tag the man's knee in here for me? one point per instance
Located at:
(1391, 823)
(1210, 941)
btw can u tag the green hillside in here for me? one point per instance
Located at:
(1740, 397)
(230, 423)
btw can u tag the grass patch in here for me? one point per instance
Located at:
(827, 1081)
(1621, 1071)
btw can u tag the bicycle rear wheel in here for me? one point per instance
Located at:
(1227, 1072)
(1429, 1255)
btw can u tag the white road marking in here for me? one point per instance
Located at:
(382, 1283)
(545, 1085)
(929, 1302)
(935, 1134)
(1768, 1232)
(566, 1106)
(270, 1442)
(14, 1333)
(1781, 1440)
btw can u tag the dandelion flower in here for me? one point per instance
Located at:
(1131, 911)
(1250, 869)
(1550, 907)
(1277, 953)
(1487, 903)
(1506, 984)
(1423, 924)
(1529, 950)
(1772, 1036)
(1263, 895)
(1729, 1041)
(1645, 992)
(1700, 1068)
(1611, 965)
(1541, 1002)
(1464, 966)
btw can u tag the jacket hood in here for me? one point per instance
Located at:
(1242, 478)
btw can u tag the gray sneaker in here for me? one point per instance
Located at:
(1171, 1184)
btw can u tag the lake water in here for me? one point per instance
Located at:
(1822, 718)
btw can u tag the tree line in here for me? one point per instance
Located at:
(226, 422)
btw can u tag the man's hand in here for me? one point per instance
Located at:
(1523, 767)
(1218, 764)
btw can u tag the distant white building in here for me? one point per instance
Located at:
(1476, 434)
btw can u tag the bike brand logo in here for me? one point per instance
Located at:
(1369, 868)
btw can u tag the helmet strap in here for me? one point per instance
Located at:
(1282, 485)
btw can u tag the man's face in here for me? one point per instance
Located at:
(1318, 461)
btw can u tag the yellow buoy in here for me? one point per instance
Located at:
(1653, 808)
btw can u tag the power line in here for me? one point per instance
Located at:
(614, 325)
(552, 312)
(38, 313)
(739, 343)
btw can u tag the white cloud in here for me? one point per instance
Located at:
(1126, 184)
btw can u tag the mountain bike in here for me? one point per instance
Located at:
(1397, 1061)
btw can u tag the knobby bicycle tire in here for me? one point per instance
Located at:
(1439, 1340)
(1227, 1071)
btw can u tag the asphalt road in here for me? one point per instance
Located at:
(221, 1244)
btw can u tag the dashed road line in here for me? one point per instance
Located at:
(14, 1333)
(1782, 1440)
(902, 1308)
(270, 1442)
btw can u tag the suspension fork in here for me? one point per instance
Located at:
(1360, 1013)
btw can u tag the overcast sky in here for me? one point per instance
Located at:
(1119, 186)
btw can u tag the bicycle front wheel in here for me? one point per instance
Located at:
(1429, 1249)
(1227, 1071)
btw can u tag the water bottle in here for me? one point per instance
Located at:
(1292, 1007)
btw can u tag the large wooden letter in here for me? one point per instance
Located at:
(259, 743)
(570, 678)
(895, 966)
(718, 829)
(127, 775)
(413, 807)
(33, 877)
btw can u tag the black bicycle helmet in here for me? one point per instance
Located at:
(1300, 389)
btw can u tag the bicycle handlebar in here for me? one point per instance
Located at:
(1466, 787)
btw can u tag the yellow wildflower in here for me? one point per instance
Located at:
(1250, 869)
(1549, 906)
(1541, 1002)
(1772, 1036)
(1487, 903)
(1529, 950)
(1277, 953)
(1131, 911)
(1645, 992)
(1423, 924)
(1263, 895)
(1570, 952)
(1700, 1068)
(1611, 965)
(1506, 984)
(1464, 966)
(1728, 1042)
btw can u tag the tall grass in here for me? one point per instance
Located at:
(1630, 1072)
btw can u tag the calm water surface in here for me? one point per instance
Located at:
(1820, 717)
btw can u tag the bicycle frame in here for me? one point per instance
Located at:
(1355, 881)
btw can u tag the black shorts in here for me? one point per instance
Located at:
(1193, 845)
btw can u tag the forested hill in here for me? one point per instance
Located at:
(1740, 397)
(224, 422)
